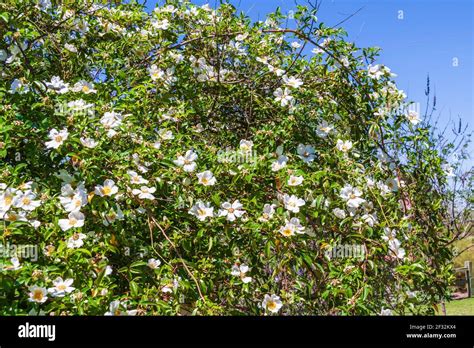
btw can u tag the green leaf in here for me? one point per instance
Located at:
(134, 289)
(4, 16)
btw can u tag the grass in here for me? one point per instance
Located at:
(460, 307)
(464, 306)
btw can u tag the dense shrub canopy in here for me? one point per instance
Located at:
(189, 160)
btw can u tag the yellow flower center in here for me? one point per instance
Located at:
(61, 287)
(85, 88)
(12, 217)
(72, 221)
(106, 190)
(271, 305)
(8, 200)
(287, 232)
(37, 295)
(58, 138)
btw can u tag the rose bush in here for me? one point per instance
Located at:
(190, 161)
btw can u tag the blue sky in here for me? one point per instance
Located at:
(431, 38)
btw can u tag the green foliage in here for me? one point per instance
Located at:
(136, 92)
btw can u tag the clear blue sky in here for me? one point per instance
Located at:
(428, 40)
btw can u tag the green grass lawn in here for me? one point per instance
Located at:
(460, 307)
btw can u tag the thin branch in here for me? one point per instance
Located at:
(347, 18)
(155, 223)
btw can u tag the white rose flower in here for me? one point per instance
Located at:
(57, 138)
(202, 210)
(272, 303)
(283, 96)
(306, 153)
(206, 178)
(344, 146)
(37, 294)
(341, 214)
(293, 203)
(61, 287)
(187, 161)
(295, 180)
(145, 192)
(231, 211)
(75, 219)
(108, 189)
(352, 196)
(153, 263)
